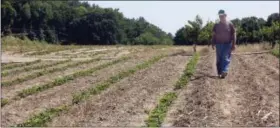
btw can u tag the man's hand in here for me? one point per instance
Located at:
(233, 48)
(213, 46)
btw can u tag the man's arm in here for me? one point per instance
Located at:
(213, 40)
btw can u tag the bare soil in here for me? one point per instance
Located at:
(128, 102)
(249, 96)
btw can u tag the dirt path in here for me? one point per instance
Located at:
(127, 103)
(249, 96)
(21, 110)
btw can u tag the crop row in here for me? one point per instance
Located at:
(46, 71)
(25, 69)
(67, 78)
(14, 65)
(42, 118)
(49, 51)
(157, 115)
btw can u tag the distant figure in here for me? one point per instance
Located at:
(224, 39)
(194, 47)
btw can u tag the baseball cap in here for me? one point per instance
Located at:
(221, 12)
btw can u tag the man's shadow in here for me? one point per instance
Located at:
(200, 75)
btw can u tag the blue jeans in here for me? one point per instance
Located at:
(223, 56)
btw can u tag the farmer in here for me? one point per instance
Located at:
(224, 38)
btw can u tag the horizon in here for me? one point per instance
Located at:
(172, 19)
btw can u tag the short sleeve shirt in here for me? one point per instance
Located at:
(224, 32)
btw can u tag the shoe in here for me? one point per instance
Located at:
(223, 75)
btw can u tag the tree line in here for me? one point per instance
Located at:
(248, 30)
(75, 22)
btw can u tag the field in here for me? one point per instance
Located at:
(122, 86)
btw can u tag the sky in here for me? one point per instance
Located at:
(172, 15)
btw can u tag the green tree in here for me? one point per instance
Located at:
(146, 39)
(8, 13)
(274, 17)
(179, 38)
(205, 35)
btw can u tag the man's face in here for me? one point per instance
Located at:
(222, 17)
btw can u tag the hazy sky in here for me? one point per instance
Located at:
(172, 15)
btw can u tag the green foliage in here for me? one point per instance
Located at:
(248, 30)
(146, 39)
(188, 72)
(79, 22)
(8, 13)
(40, 119)
(276, 50)
(157, 116)
(190, 33)
(179, 38)
(205, 35)
(4, 102)
(274, 17)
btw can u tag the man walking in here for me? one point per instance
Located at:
(223, 38)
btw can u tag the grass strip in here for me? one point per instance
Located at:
(40, 119)
(10, 66)
(276, 52)
(157, 115)
(44, 72)
(78, 97)
(4, 102)
(67, 78)
(33, 68)
(188, 72)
